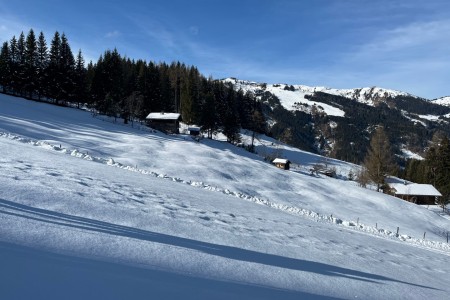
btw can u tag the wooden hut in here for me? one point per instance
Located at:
(281, 163)
(194, 130)
(165, 122)
(423, 194)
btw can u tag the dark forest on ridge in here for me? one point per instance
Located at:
(121, 87)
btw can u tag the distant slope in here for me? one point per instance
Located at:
(338, 122)
(442, 101)
(368, 95)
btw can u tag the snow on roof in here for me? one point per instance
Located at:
(163, 116)
(415, 189)
(280, 161)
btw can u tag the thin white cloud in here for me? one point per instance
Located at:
(412, 37)
(156, 30)
(413, 58)
(113, 34)
(10, 27)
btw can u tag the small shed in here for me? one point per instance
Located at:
(194, 130)
(424, 194)
(281, 163)
(165, 122)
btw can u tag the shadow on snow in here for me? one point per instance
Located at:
(229, 252)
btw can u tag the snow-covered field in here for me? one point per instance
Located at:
(95, 210)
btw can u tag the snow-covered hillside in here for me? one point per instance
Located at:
(442, 101)
(91, 209)
(290, 98)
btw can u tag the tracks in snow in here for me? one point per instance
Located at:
(379, 232)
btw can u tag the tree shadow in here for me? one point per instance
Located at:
(28, 273)
(229, 252)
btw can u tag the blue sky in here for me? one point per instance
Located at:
(403, 45)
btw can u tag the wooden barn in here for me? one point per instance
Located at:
(422, 194)
(165, 122)
(282, 163)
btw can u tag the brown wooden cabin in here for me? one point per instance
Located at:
(422, 194)
(282, 163)
(165, 122)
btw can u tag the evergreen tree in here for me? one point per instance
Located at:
(66, 70)
(258, 125)
(14, 64)
(80, 82)
(230, 118)
(208, 119)
(42, 65)
(5, 67)
(53, 70)
(90, 73)
(31, 64)
(108, 85)
(415, 171)
(154, 89)
(169, 89)
(21, 65)
(438, 166)
(190, 97)
(379, 161)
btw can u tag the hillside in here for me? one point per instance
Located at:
(94, 209)
(339, 122)
(442, 101)
(369, 95)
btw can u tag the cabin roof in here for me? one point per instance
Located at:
(163, 116)
(280, 161)
(194, 128)
(415, 189)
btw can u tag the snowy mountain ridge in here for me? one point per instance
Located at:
(442, 101)
(367, 95)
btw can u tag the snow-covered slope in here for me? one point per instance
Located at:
(92, 209)
(442, 101)
(290, 95)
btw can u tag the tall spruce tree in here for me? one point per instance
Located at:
(230, 118)
(53, 70)
(379, 160)
(21, 65)
(438, 166)
(80, 81)
(5, 67)
(67, 69)
(31, 64)
(13, 64)
(208, 119)
(41, 66)
(190, 97)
